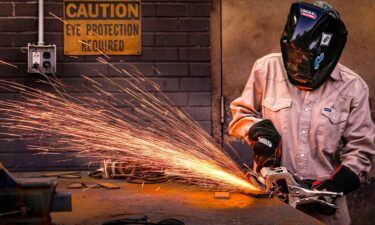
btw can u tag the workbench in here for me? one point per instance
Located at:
(165, 200)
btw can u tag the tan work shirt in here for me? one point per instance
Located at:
(312, 124)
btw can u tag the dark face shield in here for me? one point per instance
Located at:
(298, 66)
(311, 45)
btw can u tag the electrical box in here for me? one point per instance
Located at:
(41, 58)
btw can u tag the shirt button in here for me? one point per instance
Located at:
(303, 132)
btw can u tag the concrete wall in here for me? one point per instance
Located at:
(175, 41)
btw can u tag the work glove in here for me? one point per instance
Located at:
(266, 144)
(343, 180)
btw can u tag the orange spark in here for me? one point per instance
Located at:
(8, 64)
(151, 132)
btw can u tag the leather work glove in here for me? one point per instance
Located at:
(343, 180)
(266, 144)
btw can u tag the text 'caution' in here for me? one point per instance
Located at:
(111, 27)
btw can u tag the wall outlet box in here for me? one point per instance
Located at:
(41, 58)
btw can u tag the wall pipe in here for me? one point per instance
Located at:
(41, 23)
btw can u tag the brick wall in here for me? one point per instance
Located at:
(175, 41)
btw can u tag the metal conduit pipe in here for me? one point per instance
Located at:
(41, 23)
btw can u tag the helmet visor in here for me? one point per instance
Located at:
(298, 65)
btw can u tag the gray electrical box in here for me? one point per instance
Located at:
(41, 58)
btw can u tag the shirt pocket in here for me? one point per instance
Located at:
(331, 128)
(277, 110)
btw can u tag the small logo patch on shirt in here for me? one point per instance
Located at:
(328, 109)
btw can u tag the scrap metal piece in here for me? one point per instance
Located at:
(58, 174)
(70, 176)
(221, 195)
(91, 185)
(109, 186)
(77, 185)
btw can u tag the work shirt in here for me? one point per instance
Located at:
(319, 129)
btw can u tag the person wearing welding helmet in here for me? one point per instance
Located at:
(303, 110)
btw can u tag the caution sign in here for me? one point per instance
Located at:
(93, 27)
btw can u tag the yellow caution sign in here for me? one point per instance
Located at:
(94, 27)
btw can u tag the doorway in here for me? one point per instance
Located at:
(248, 30)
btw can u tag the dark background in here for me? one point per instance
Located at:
(203, 49)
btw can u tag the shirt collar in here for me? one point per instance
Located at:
(336, 73)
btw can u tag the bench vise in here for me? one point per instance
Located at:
(30, 200)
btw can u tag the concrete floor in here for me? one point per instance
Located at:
(160, 201)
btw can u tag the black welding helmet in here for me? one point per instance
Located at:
(311, 44)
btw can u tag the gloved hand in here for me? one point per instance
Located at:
(266, 142)
(343, 180)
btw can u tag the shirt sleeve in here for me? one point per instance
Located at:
(359, 135)
(246, 109)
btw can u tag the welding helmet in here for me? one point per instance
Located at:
(311, 44)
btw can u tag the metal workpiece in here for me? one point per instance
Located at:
(160, 201)
(30, 200)
(278, 182)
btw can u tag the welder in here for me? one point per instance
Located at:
(303, 110)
